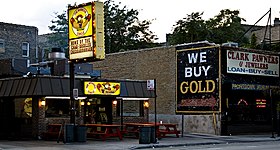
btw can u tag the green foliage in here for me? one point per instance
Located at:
(59, 28)
(253, 43)
(123, 30)
(189, 29)
(224, 27)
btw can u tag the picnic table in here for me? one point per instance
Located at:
(103, 130)
(162, 129)
(168, 128)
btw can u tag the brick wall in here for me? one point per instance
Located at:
(156, 63)
(13, 36)
(160, 64)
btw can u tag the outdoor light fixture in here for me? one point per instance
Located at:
(115, 102)
(82, 103)
(88, 103)
(43, 102)
(146, 104)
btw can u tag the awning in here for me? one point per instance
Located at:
(60, 87)
(35, 86)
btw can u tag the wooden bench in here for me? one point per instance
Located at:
(104, 131)
(163, 133)
(168, 128)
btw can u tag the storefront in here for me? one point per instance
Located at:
(240, 85)
(29, 104)
(205, 87)
(250, 90)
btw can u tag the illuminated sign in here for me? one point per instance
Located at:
(86, 31)
(252, 63)
(197, 84)
(102, 88)
(260, 103)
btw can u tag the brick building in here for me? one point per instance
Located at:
(202, 117)
(18, 41)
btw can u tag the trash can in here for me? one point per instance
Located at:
(69, 133)
(153, 135)
(81, 133)
(144, 135)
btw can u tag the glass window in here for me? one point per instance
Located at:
(131, 108)
(2, 46)
(25, 49)
(57, 107)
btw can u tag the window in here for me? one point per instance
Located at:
(2, 46)
(57, 107)
(25, 49)
(131, 109)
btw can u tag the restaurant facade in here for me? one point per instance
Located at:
(202, 87)
(205, 87)
(29, 104)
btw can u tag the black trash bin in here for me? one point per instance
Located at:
(69, 133)
(144, 135)
(153, 135)
(81, 133)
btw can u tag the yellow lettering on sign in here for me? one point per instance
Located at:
(196, 86)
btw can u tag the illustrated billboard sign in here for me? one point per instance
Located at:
(86, 31)
(102, 88)
(248, 63)
(197, 80)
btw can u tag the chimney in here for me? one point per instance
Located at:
(276, 22)
(57, 53)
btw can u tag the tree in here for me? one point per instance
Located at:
(253, 43)
(189, 29)
(123, 30)
(224, 27)
(59, 27)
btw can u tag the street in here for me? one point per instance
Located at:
(270, 145)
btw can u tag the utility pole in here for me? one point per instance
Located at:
(72, 100)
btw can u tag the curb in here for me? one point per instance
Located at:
(223, 141)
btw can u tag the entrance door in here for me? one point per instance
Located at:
(248, 112)
(98, 110)
(7, 117)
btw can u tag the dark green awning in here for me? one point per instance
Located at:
(60, 86)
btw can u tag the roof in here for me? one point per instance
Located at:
(60, 86)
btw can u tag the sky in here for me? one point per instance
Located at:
(164, 14)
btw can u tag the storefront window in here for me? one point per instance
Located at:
(131, 108)
(57, 107)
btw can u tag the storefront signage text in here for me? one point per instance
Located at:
(197, 73)
(252, 63)
(255, 87)
(197, 70)
(86, 32)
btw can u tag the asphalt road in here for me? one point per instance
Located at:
(271, 145)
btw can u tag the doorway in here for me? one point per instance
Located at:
(98, 110)
(248, 112)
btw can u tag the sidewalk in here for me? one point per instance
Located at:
(132, 143)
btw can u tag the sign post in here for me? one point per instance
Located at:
(85, 40)
(151, 85)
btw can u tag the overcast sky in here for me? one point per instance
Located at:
(164, 13)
